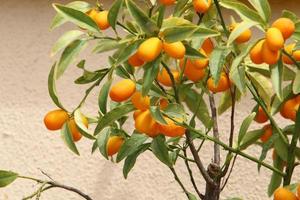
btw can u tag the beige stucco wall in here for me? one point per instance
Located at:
(26, 146)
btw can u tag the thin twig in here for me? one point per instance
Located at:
(230, 172)
(215, 129)
(179, 181)
(173, 81)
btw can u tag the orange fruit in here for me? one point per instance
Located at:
(261, 116)
(74, 130)
(202, 62)
(270, 57)
(191, 72)
(175, 50)
(256, 53)
(136, 114)
(122, 90)
(201, 6)
(145, 123)
(267, 133)
(285, 26)
(295, 54)
(150, 49)
(284, 194)
(274, 39)
(163, 103)
(223, 85)
(114, 144)
(135, 61)
(164, 78)
(140, 102)
(167, 2)
(101, 19)
(55, 119)
(171, 129)
(92, 13)
(289, 109)
(243, 37)
(207, 46)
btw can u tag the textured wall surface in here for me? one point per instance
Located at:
(27, 147)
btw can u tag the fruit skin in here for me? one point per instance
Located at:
(175, 50)
(207, 46)
(223, 85)
(55, 119)
(285, 26)
(256, 53)
(171, 129)
(202, 62)
(135, 61)
(150, 49)
(167, 2)
(295, 54)
(122, 90)
(284, 194)
(201, 6)
(136, 114)
(101, 19)
(261, 116)
(145, 123)
(140, 102)
(267, 133)
(243, 37)
(289, 109)
(269, 57)
(274, 39)
(191, 72)
(164, 78)
(92, 13)
(114, 144)
(163, 103)
(74, 130)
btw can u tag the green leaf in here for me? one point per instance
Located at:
(52, 87)
(245, 126)
(144, 22)
(239, 29)
(203, 32)
(65, 40)
(226, 101)
(59, 20)
(127, 52)
(131, 159)
(102, 140)
(157, 115)
(160, 150)
(243, 11)
(114, 12)
(277, 78)
(104, 45)
(175, 111)
(131, 145)
(81, 127)
(89, 77)
(7, 177)
(277, 102)
(281, 148)
(180, 5)
(296, 84)
(263, 8)
(288, 14)
(103, 94)
(216, 62)
(192, 52)
(250, 138)
(77, 17)
(113, 115)
(266, 147)
(161, 14)
(263, 85)
(276, 178)
(68, 138)
(150, 74)
(178, 33)
(69, 55)
(191, 196)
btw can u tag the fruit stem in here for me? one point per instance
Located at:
(221, 17)
(173, 81)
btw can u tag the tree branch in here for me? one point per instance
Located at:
(215, 129)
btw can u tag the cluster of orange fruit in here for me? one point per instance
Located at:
(285, 194)
(288, 110)
(54, 120)
(268, 50)
(144, 122)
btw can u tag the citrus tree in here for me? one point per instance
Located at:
(165, 70)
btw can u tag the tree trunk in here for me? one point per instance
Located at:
(213, 191)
